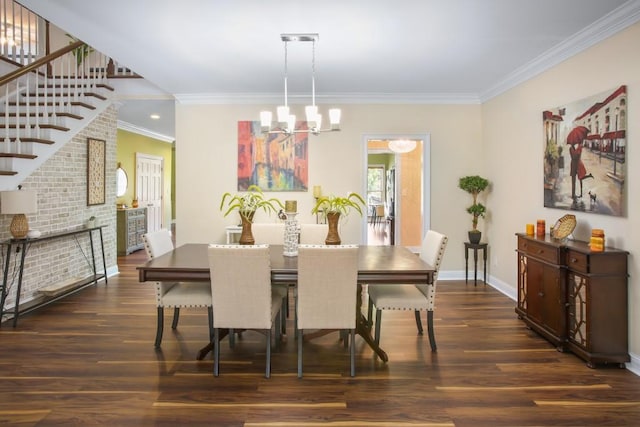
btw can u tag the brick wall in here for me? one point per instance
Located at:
(61, 183)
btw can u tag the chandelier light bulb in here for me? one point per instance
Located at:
(265, 120)
(283, 113)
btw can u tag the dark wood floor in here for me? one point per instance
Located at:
(89, 360)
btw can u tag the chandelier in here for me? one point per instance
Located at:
(402, 145)
(285, 121)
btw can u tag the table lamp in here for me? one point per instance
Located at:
(19, 203)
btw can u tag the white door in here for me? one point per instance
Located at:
(149, 188)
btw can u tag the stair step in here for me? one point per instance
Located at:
(36, 140)
(61, 114)
(68, 86)
(8, 173)
(42, 126)
(65, 95)
(18, 156)
(51, 104)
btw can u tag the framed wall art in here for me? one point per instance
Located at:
(585, 144)
(273, 162)
(96, 170)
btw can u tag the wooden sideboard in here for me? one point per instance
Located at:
(132, 224)
(574, 297)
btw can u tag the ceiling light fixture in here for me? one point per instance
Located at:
(402, 145)
(155, 116)
(286, 122)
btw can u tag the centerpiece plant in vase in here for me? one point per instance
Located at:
(246, 204)
(332, 207)
(474, 185)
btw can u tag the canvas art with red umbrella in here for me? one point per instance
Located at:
(585, 143)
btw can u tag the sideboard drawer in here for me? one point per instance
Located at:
(578, 261)
(542, 251)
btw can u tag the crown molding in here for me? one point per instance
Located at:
(335, 98)
(610, 24)
(145, 132)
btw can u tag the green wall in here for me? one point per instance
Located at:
(130, 143)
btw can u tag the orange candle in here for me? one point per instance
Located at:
(541, 228)
(529, 229)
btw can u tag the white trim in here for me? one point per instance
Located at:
(426, 174)
(336, 98)
(145, 132)
(610, 24)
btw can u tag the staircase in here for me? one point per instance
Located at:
(43, 106)
(45, 100)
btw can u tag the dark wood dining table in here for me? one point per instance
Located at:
(376, 265)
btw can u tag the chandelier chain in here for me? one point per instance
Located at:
(285, 75)
(313, 73)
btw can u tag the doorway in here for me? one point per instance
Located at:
(406, 199)
(149, 188)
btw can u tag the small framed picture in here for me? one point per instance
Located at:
(96, 158)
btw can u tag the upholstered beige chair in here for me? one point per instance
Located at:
(242, 295)
(272, 233)
(412, 297)
(174, 294)
(327, 289)
(313, 234)
(268, 233)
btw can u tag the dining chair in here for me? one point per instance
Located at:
(272, 233)
(327, 289)
(174, 294)
(411, 297)
(380, 215)
(242, 295)
(313, 234)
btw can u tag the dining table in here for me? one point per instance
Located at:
(376, 265)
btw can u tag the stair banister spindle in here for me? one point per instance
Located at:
(45, 105)
(22, 61)
(37, 107)
(7, 140)
(13, 35)
(4, 26)
(69, 84)
(17, 145)
(75, 86)
(53, 92)
(27, 108)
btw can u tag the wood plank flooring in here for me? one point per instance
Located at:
(89, 360)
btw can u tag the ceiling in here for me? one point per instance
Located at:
(369, 51)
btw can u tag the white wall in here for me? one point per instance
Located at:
(513, 147)
(206, 164)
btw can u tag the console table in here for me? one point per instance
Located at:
(22, 245)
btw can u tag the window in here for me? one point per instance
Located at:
(375, 185)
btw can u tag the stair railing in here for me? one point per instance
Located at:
(36, 95)
(19, 35)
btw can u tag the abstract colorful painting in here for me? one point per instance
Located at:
(585, 145)
(274, 162)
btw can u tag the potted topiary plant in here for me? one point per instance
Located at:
(246, 205)
(332, 207)
(474, 185)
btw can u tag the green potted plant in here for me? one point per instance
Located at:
(474, 185)
(332, 207)
(81, 52)
(246, 205)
